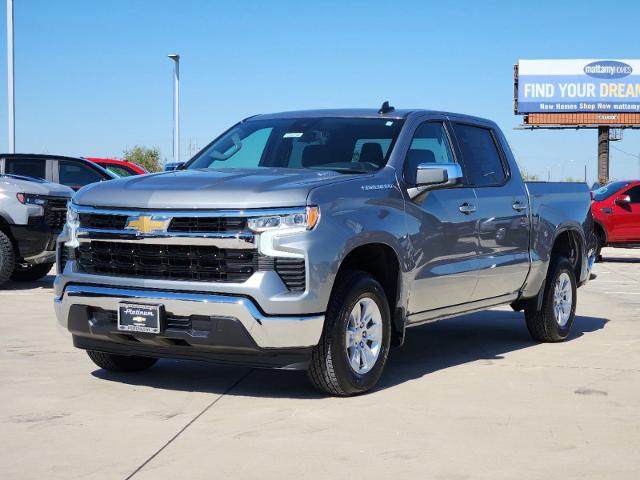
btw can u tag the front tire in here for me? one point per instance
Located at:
(553, 322)
(121, 363)
(31, 273)
(7, 258)
(353, 349)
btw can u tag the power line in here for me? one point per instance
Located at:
(626, 153)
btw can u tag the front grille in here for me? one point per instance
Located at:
(178, 224)
(103, 221)
(55, 213)
(63, 257)
(168, 262)
(197, 262)
(207, 224)
(292, 272)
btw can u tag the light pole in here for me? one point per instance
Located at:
(176, 106)
(11, 114)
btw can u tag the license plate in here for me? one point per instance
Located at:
(135, 317)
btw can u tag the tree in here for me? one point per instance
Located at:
(148, 158)
(529, 177)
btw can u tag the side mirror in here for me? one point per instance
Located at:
(623, 200)
(443, 175)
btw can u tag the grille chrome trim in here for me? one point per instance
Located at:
(256, 212)
(236, 240)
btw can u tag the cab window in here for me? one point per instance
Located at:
(482, 160)
(430, 144)
(634, 193)
(28, 167)
(76, 175)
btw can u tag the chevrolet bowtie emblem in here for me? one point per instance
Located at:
(147, 224)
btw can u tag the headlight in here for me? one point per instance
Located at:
(303, 220)
(73, 222)
(29, 199)
(73, 219)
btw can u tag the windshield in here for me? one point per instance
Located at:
(605, 192)
(345, 145)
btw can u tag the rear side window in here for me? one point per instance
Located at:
(76, 175)
(481, 158)
(634, 193)
(28, 167)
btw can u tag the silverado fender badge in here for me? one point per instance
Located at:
(383, 186)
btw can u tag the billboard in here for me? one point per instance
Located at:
(566, 86)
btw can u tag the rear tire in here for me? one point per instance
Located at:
(599, 244)
(7, 258)
(121, 363)
(354, 346)
(31, 273)
(553, 322)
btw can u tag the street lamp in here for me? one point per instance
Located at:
(176, 106)
(11, 113)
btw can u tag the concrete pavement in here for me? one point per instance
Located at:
(470, 397)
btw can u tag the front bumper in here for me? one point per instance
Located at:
(36, 241)
(214, 327)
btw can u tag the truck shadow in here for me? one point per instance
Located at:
(483, 336)
(607, 259)
(44, 282)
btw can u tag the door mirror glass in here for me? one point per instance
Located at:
(623, 200)
(441, 175)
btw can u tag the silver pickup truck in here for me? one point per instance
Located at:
(32, 214)
(313, 239)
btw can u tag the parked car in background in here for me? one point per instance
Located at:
(121, 168)
(312, 240)
(70, 171)
(32, 214)
(616, 213)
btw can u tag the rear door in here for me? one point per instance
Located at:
(626, 218)
(503, 223)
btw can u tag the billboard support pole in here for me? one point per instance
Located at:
(603, 155)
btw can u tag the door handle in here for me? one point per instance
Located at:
(467, 208)
(519, 206)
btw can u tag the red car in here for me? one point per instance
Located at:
(121, 168)
(616, 211)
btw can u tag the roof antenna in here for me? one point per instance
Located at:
(386, 108)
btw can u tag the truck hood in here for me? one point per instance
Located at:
(34, 186)
(214, 189)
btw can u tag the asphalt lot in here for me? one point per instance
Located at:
(471, 397)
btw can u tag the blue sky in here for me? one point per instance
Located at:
(92, 77)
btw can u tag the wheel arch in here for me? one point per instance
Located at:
(599, 227)
(381, 261)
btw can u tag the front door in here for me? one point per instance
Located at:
(626, 218)
(443, 243)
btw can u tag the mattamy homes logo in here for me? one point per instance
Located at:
(608, 69)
